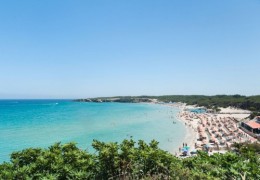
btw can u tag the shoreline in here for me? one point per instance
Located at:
(191, 135)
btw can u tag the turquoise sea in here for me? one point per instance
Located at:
(40, 123)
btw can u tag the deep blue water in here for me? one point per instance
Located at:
(40, 123)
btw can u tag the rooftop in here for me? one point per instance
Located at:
(253, 124)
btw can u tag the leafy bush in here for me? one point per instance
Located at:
(129, 160)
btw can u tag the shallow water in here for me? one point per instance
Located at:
(40, 123)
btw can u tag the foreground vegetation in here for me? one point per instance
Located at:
(129, 160)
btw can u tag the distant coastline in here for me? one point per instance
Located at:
(251, 103)
(118, 99)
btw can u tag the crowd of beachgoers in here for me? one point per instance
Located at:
(212, 132)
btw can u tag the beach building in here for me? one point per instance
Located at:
(257, 119)
(252, 127)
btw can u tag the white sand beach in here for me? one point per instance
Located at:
(217, 131)
(238, 114)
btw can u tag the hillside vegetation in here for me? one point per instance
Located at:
(251, 103)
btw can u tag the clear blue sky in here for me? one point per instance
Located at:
(72, 49)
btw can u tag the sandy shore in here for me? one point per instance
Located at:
(239, 114)
(217, 130)
(191, 134)
(191, 137)
(220, 140)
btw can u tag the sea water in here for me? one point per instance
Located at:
(40, 123)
